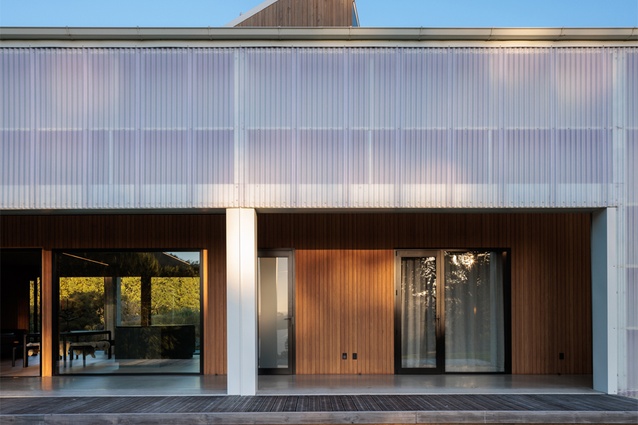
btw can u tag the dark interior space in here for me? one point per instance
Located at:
(19, 307)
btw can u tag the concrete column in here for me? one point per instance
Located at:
(604, 301)
(241, 264)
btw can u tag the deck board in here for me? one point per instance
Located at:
(469, 408)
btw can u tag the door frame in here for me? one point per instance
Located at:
(440, 303)
(290, 254)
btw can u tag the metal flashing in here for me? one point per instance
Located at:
(260, 34)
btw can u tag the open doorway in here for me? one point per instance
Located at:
(20, 309)
(131, 312)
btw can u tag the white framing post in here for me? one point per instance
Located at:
(604, 282)
(241, 301)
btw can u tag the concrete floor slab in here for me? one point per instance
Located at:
(179, 385)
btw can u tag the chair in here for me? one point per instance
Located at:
(31, 347)
(11, 344)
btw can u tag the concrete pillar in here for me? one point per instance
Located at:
(241, 263)
(604, 301)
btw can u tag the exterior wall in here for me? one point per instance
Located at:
(303, 13)
(345, 283)
(345, 279)
(206, 232)
(414, 126)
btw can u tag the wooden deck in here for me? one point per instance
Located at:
(362, 409)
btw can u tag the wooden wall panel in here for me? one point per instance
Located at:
(344, 275)
(207, 232)
(344, 305)
(345, 283)
(303, 13)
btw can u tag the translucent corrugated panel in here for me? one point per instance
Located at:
(17, 101)
(630, 72)
(316, 127)
(118, 128)
(628, 364)
(631, 158)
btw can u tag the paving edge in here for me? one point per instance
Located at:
(275, 418)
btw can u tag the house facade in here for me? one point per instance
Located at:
(236, 201)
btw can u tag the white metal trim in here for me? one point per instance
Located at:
(318, 34)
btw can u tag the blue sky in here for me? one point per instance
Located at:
(372, 13)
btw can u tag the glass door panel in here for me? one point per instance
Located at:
(418, 307)
(129, 312)
(474, 312)
(275, 313)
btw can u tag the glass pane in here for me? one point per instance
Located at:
(273, 313)
(474, 335)
(418, 312)
(129, 312)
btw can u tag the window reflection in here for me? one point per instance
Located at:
(129, 312)
(474, 312)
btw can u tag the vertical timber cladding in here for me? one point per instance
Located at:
(207, 232)
(345, 283)
(344, 290)
(303, 13)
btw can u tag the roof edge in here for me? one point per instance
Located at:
(317, 34)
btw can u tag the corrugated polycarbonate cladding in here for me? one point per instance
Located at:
(157, 128)
(117, 128)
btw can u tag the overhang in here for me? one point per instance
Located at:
(616, 35)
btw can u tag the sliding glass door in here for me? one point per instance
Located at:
(128, 312)
(474, 312)
(452, 314)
